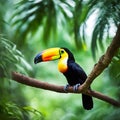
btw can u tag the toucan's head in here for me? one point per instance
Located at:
(53, 54)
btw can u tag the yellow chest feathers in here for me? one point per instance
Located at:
(62, 65)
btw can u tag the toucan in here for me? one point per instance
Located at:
(73, 72)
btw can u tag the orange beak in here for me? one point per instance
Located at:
(48, 55)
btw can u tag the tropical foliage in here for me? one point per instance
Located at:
(51, 14)
(27, 26)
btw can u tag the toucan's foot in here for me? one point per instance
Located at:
(75, 87)
(66, 87)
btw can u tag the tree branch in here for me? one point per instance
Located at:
(43, 85)
(104, 61)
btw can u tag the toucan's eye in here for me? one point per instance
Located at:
(62, 51)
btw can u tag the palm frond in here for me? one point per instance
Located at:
(99, 31)
(108, 14)
(30, 15)
(27, 17)
(80, 13)
(50, 24)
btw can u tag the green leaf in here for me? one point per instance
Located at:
(10, 57)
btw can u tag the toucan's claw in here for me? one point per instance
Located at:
(75, 87)
(66, 87)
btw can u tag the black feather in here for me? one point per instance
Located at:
(74, 75)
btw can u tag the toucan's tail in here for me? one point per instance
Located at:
(87, 102)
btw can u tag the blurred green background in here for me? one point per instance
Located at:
(86, 27)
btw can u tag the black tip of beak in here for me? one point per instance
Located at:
(38, 58)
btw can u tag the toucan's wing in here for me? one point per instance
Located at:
(81, 75)
(77, 69)
(76, 73)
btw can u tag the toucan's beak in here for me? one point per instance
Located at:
(47, 55)
(38, 58)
